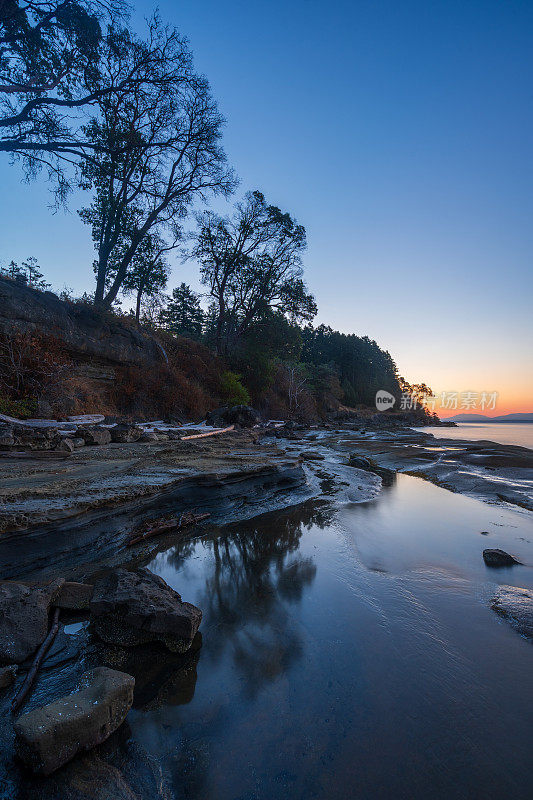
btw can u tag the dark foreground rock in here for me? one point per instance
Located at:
(243, 416)
(74, 596)
(7, 675)
(48, 737)
(368, 465)
(131, 608)
(498, 558)
(24, 614)
(516, 605)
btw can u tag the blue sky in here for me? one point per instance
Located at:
(399, 133)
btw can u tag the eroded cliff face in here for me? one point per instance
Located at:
(89, 336)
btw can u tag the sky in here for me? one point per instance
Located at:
(399, 134)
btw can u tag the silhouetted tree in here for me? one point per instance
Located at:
(29, 272)
(250, 263)
(160, 149)
(49, 62)
(148, 273)
(183, 315)
(14, 272)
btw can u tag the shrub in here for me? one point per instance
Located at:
(233, 392)
(21, 409)
(31, 366)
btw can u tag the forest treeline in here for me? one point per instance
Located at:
(88, 103)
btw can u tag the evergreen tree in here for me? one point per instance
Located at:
(34, 275)
(183, 315)
(29, 273)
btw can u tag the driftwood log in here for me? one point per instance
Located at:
(34, 454)
(41, 652)
(210, 433)
(176, 523)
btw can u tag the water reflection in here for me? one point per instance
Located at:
(349, 650)
(252, 573)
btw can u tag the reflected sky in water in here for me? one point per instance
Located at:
(347, 652)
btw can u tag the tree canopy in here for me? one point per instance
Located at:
(251, 263)
(160, 150)
(49, 67)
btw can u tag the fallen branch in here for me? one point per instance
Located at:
(42, 651)
(34, 454)
(176, 523)
(210, 433)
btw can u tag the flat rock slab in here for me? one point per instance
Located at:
(24, 614)
(48, 737)
(516, 605)
(131, 608)
(310, 455)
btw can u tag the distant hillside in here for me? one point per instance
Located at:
(521, 417)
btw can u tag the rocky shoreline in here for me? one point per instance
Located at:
(83, 507)
(66, 524)
(492, 472)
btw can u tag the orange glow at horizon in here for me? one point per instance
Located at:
(479, 369)
(506, 403)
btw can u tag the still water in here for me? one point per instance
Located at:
(520, 433)
(350, 651)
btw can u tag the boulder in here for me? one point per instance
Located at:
(243, 416)
(48, 737)
(149, 436)
(123, 433)
(33, 437)
(516, 605)
(7, 675)
(498, 558)
(24, 614)
(360, 462)
(74, 596)
(130, 608)
(78, 441)
(95, 436)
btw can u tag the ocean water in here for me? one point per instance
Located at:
(520, 433)
(349, 651)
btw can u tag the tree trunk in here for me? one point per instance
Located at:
(100, 286)
(138, 305)
(220, 326)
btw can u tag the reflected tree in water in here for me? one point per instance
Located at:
(255, 573)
